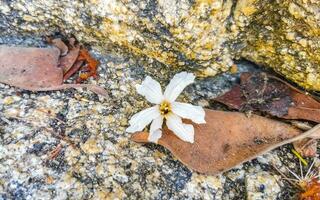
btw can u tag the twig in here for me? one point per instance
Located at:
(55, 152)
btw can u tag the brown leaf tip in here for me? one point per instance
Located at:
(140, 137)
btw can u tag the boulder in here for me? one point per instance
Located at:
(200, 35)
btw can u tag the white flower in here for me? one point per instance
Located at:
(167, 109)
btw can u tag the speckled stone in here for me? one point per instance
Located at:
(72, 144)
(262, 186)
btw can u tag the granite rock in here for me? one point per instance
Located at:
(202, 35)
(72, 144)
(262, 185)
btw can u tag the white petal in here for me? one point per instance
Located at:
(155, 136)
(184, 131)
(177, 84)
(156, 123)
(142, 119)
(155, 129)
(151, 90)
(188, 111)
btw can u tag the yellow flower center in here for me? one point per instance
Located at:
(165, 108)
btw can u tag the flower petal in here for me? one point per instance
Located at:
(184, 131)
(151, 90)
(155, 129)
(177, 84)
(156, 123)
(155, 136)
(142, 119)
(188, 111)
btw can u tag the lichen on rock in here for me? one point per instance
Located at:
(285, 35)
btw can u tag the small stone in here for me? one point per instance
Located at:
(290, 36)
(123, 122)
(12, 112)
(233, 69)
(8, 100)
(303, 42)
(262, 186)
(49, 180)
(203, 103)
(91, 147)
(110, 119)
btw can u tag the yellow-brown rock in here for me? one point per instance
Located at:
(201, 35)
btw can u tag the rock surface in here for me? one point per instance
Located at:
(80, 150)
(262, 185)
(72, 144)
(203, 35)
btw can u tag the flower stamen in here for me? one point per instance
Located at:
(165, 108)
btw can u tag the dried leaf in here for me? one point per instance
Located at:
(306, 147)
(265, 93)
(60, 45)
(66, 62)
(30, 68)
(226, 140)
(76, 66)
(91, 67)
(233, 98)
(311, 190)
(305, 107)
(303, 113)
(271, 95)
(35, 69)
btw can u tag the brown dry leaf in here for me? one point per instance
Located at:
(271, 95)
(30, 68)
(60, 45)
(35, 69)
(305, 107)
(76, 66)
(227, 140)
(268, 94)
(306, 147)
(91, 65)
(67, 61)
(233, 98)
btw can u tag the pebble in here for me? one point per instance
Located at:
(262, 186)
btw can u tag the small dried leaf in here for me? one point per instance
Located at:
(91, 67)
(233, 98)
(306, 147)
(226, 140)
(60, 45)
(303, 113)
(35, 69)
(304, 100)
(265, 94)
(76, 66)
(311, 191)
(30, 68)
(269, 94)
(66, 62)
